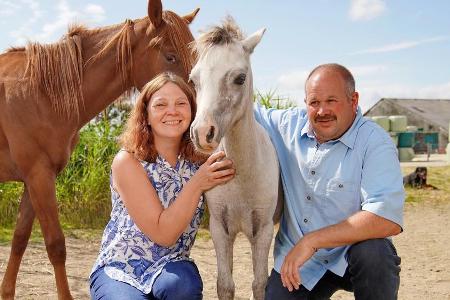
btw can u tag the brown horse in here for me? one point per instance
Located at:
(48, 92)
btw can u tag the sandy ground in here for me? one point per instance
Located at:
(423, 247)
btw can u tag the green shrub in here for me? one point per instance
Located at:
(82, 188)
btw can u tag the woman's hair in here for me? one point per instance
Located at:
(137, 137)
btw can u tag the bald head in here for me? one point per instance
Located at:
(345, 74)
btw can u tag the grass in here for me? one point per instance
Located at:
(438, 177)
(83, 188)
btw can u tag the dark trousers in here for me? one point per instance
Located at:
(372, 273)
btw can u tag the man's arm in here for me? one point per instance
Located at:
(361, 226)
(382, 208)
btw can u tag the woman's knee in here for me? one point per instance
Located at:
(104, 287)
(179, 280)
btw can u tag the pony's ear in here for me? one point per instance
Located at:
(190, 17)
(250, 42)
(154, 11)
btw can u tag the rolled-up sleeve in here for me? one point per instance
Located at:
(382, 182)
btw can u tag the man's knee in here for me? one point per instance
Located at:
(374, 269)
(276, 291)
(373, 254)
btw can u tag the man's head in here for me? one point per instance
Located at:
(331, 101)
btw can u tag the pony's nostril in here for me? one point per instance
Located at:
(210, 134)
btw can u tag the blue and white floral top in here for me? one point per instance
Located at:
(126, 253)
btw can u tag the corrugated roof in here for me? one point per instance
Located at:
(437, 111)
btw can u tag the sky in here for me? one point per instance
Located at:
(393, 48)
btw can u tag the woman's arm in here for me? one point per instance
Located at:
(164, 226)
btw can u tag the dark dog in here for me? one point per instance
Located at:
(418, 179)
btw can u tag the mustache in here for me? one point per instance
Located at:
(325, 118)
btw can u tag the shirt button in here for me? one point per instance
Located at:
(308, 197)
(325, 261)
(305, 220)
(313, 172)
(341, 185)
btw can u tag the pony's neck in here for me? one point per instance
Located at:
(240, 141)
(102, 80)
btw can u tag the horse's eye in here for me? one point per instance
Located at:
(240, 79)
(171, 58)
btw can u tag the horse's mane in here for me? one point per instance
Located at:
(225, 34)
(58, 68)
(15, 49)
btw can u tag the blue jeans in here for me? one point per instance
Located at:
(372, 273)
(178, 280)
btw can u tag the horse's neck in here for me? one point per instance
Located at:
(241, 141)
(102, 82)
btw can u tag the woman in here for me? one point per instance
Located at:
(157, 203)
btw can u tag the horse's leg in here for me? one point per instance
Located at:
(223, 244)
(41, 186)
(261, 240)
(19, 243)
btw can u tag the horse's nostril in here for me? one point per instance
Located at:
(210, 134)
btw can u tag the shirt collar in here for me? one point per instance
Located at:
(348, 138)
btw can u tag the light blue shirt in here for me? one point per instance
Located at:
(326, 183)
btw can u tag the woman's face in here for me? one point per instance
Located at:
(169, 112)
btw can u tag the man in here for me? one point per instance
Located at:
(343, 195)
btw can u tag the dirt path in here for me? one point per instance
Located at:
(424, 248)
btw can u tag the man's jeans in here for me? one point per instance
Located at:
(372, 273)
(178, 280)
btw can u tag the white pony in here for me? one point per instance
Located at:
(225, 121)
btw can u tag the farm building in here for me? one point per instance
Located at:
(426, 114)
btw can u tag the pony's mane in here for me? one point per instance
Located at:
(225, 34)
(58, 68)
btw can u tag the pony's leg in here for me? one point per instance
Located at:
(260, 253)
(41, 186)
(19, 243)
(223, 244)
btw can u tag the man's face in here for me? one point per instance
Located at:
(331, 110)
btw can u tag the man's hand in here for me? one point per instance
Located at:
(294, 259)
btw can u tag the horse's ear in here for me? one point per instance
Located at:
(154, 11)
(190, 17)
(250, 42)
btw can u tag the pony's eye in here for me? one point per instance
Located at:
(240, 79)
(171, 58)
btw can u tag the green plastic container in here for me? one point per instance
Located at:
(406, 139)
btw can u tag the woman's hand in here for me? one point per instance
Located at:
(216, 170)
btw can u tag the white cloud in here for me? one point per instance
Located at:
(293, 80)
(402, 45)
(366, 70)
(370, 93)
(64, 17)
(22, 34)
(52, 30)
(366, 10)
(8, 8)
(290, 86)
(368, 83)
(95, 13)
